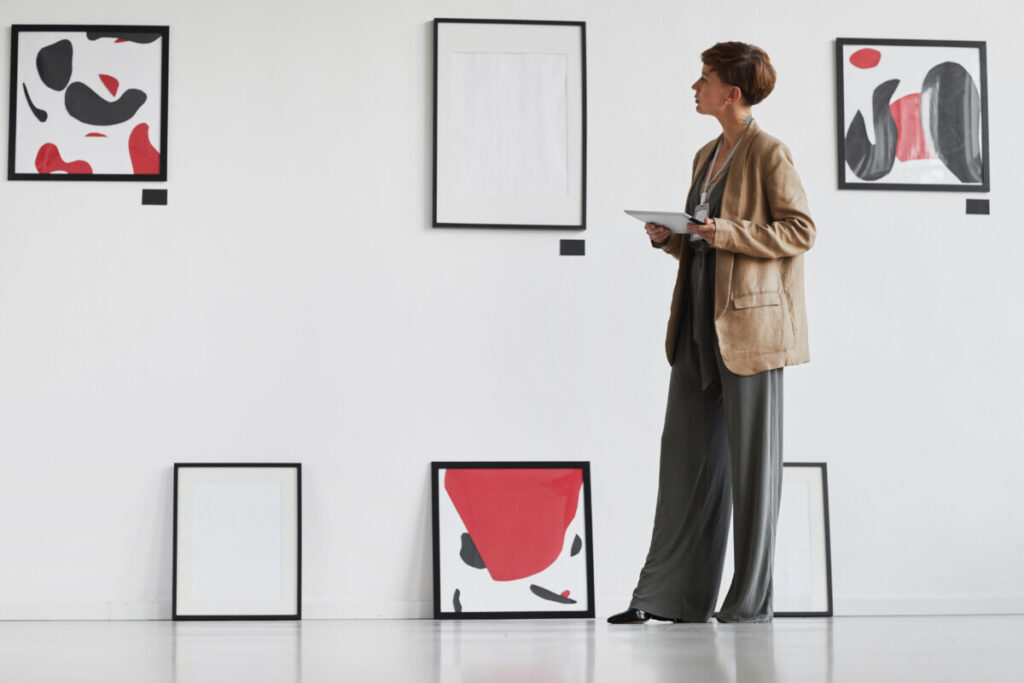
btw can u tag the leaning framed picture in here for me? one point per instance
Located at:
(237, 541)
(88, 103)
(912, 115)
(802, 579)
(510, 124)
(802, 576)
(512, 540)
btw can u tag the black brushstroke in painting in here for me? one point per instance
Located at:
(54, 64)
(469, 554)
(456, 602)
(577, 546)
(39, 113)
(84, 104)
(867, 161)
(127, 37)
(950, 100)
(550, 595)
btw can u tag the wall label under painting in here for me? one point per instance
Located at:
(912, 115)
(88, 103)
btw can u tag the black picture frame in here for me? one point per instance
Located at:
(18, 89)
(296, 614)
(445, 614)
(444, 221)
(843, 122)
(823, 468)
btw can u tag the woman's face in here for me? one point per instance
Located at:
(711, 94)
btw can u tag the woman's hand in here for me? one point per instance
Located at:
(705, 230)
(659, 234)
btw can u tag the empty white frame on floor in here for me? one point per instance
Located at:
(237, 541)
(802, 577)
(510, 124)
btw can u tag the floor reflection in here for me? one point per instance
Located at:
(559, 651)
(250, 651)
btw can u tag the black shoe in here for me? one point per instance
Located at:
(630, 616)
(637, 616)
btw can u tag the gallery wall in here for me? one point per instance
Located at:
(292, 303)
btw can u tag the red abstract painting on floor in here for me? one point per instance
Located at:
(517, 518)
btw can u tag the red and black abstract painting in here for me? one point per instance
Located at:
(912, 115)
(511, 540)
(88, 103)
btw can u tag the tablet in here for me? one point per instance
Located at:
(673, 220)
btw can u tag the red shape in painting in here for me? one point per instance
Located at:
(910, 141)
(145, 157)
(111, 83)
(95, 135)
(866, 58)
(517, 518)
(120, 40)
(48, 160)
(565, 594)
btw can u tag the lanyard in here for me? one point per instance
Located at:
(711, 181)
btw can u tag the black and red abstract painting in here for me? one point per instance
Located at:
(512, 539)
(88, 103)
(912, 115)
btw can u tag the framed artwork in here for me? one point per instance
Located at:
(88, 103)
(912, 115)
(512, 540)
(510, 124)
(237, 541)
(802, 579)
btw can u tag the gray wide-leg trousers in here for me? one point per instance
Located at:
(721, 447)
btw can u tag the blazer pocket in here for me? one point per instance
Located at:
(757, 299)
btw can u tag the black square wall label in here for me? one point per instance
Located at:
(573, 247)
(154, 197)
(977, 207)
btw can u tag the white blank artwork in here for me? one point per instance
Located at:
(236, 531)
(509, 117)
(237, 541)
(511, 114)
(794, 560)
(801, 580)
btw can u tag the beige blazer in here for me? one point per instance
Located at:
(760, 239)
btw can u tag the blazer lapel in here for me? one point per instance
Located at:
(702, 158)
(730, 208)
(737, 168)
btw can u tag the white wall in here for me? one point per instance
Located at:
(292, 303)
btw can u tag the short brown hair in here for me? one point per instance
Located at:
(745, 66)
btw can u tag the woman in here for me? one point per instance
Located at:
(737, 319)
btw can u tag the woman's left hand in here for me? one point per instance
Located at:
(705, 230)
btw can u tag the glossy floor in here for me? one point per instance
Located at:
(869, 649)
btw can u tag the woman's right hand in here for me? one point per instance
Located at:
(659, 234)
